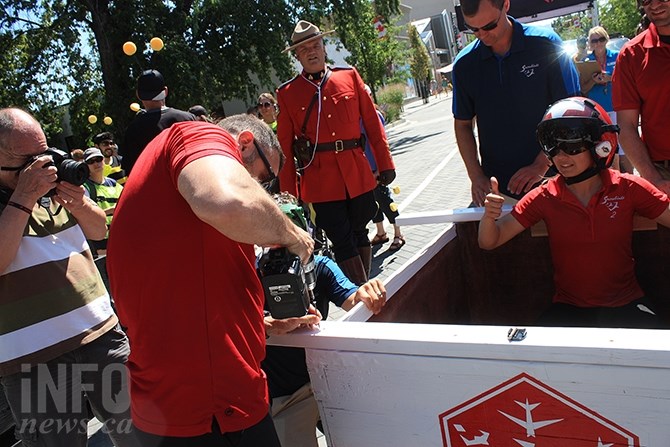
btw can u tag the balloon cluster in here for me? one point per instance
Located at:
(156, 44)
(94, 119)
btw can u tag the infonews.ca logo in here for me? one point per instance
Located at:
(57, 400)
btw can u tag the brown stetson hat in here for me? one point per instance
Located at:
(305, 32)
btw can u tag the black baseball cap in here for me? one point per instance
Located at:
(151, 86)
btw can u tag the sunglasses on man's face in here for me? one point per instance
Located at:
(648, 2)
(488, 27)
(270, 184)
(598, 40)
(568, 148)
(93, 161)
(265, 105)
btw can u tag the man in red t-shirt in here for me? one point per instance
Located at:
(641, 93)
(588, 210)
(182, 271)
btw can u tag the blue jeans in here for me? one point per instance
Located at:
(52, 402)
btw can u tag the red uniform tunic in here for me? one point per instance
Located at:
(591, 247)
(336, 115)
(189, 296)
(640, 81)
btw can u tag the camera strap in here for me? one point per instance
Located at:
(313, 101)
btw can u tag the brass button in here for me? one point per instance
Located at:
(346, 97)
(303, 108)
(329, 115)
(333, 133)
(324, 98)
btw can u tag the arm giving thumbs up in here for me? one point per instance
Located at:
(493, 230)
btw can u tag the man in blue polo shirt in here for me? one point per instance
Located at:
(506, 79)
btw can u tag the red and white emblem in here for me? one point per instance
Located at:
(524, 412)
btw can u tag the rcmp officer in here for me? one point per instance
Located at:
(320, 125)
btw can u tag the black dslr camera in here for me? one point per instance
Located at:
(69, 170)
(288, 284)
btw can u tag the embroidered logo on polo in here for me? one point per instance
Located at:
(612, 204)
(529, 70)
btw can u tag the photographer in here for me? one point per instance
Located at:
(294, 408)
(57, 322)
(186, 287)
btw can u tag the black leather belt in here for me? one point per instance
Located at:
(338, 146)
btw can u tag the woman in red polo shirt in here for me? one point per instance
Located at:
(588, 209)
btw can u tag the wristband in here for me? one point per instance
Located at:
(20, 207)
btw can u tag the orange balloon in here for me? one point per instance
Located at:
(92, 119)
(396, 190)
(393, 207)
(156, 44)
(107, 120)
(129, 48)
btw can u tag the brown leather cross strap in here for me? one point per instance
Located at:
(339, 145)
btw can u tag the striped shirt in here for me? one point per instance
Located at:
(52, 298)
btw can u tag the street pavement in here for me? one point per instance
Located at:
(431, 176)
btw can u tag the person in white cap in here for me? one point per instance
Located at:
(321, 109)
(152, 120)
(104, 191)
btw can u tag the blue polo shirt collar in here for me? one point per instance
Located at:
(517, 41)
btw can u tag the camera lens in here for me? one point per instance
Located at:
(71, 171)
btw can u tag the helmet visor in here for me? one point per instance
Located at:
(569, 148)
(552, 132)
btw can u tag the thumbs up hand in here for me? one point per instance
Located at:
(494, 201)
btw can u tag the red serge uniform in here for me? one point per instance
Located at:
(591, 246)
(638, 83)
(189, 296)
(344, 101)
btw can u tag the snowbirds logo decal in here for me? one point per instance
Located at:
(525, 412)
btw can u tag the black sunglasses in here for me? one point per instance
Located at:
(599, 39)
(265, 105)
(648, 2)
(487, 27)
(270, 184)
(569, 148)
(94, 160)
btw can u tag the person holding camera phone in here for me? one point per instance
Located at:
(294, 409)
(186, 287)
(321, 109)
(58, 323)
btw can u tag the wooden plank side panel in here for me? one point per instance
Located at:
(370, 399)
(512, 284)
(651, 250)
(435, 294)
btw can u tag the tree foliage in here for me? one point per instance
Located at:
(620, 17)
(371, 55)
(572, 26)
(419, 58)
(55, 52)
